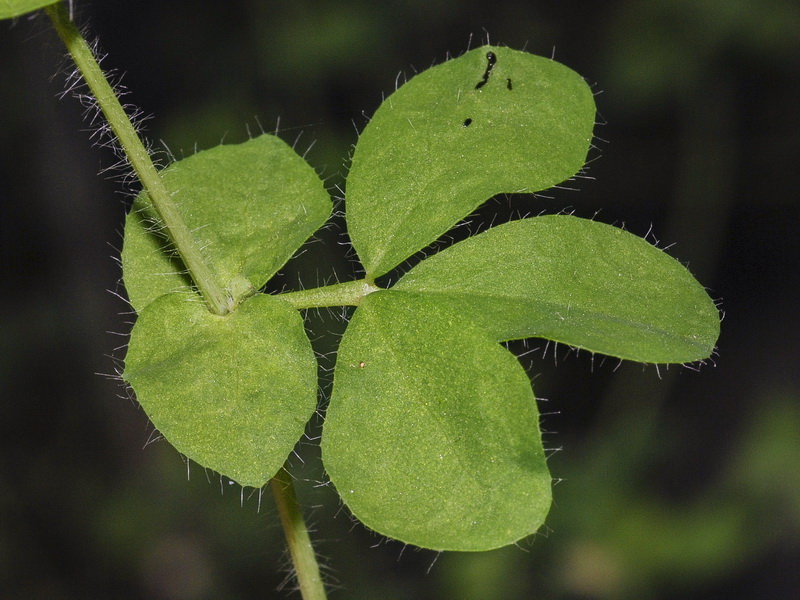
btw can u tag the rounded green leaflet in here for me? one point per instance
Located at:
(250, 206)
(16, 8)
(432, 432)
(234, 392)
(492, 121)
(574, 281)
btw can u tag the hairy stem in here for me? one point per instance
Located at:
(138, 157)
(349, 293)
(219, 301)
(294, 527)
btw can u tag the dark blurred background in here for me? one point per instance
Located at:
(683, 484)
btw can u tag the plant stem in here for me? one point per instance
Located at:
(349, 293)
(294, 527)
(138, 157)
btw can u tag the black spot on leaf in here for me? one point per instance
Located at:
(491, 59)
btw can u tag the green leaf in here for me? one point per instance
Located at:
(232, 393)
(440, 146)
(250, 205)
(16, 8)
(574, 281)
(432, 433)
